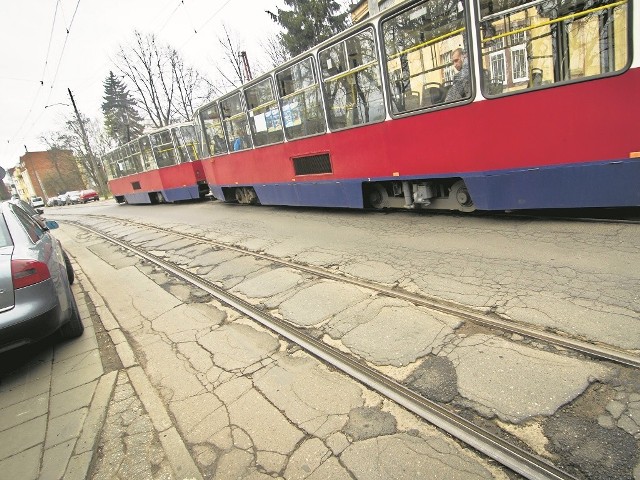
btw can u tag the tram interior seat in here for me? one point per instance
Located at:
(432, 94)
(411, 100)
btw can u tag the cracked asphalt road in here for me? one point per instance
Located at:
(221, 375)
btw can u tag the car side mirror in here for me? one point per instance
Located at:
(52, 224)
(39, 210)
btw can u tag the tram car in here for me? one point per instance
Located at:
(161, 166)
(442, 104)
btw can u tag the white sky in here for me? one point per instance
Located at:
(27, 56)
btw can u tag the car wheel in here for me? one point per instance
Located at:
(71, 275)
(74, 327)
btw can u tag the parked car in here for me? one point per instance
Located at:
(69, 198)
(88, 196)
(37, 202)
(35, 281)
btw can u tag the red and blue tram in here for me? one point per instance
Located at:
(161, 166)
(444, 104)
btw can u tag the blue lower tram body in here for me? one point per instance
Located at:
(614, 183)
(170, 195)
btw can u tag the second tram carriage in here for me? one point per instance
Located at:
(377, 116)
(162, 166)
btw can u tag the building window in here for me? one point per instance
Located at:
(519, 65)
(497, 67)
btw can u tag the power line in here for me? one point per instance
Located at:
(205, 23)
(46, 58)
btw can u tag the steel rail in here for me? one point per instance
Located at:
(520, 461)
(594, 350)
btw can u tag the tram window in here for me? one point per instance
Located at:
(235, 123)
(213, 130)
(127, 164)
(178, 143)
(190, 140)
(531, 44)
(107, 161)
(163, 149)
(117, 163)
(351, 82)
(264, 114)
(300, 100)
(149, 162)
(425, 54)
(134, 160)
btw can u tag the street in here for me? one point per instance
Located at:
(186, 387)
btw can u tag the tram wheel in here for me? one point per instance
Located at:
(461, 195)
(377, 196)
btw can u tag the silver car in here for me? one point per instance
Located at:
(35, 281)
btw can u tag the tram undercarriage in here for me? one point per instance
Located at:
(442, 194)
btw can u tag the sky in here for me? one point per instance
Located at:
(49, 46)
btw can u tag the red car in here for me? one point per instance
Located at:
(88, 195)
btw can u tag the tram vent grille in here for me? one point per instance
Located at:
(312, 164)
(135, 185)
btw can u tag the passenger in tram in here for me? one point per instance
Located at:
(461, 87)
(238, 143)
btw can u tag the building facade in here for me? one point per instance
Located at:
(46, 174)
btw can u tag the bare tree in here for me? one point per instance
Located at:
(274, 51)
(192, 89)
(71, 138)
(162, 84)
(231, 69)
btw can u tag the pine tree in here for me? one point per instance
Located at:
(308, 23)
(121, 118)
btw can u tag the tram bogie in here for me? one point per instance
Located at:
(435, 194)
(243, 195)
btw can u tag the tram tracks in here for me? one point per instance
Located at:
(506, 453)
(593, 350)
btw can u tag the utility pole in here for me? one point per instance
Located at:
(245, 63)
(92, 159)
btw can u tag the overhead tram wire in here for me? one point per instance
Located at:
(46, 58)
(64, 46)
(186, 12)
(205, 23)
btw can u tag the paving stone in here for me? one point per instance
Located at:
(77, 377)
(55, 460)
(65, 427)
(22, 437)
(24, 465)
(24, 411)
